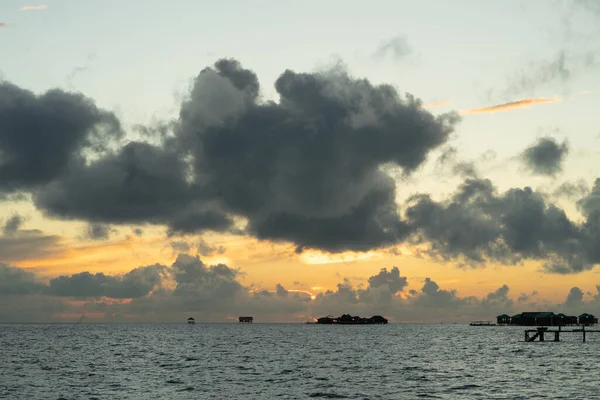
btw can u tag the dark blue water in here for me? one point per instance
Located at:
(289, 361)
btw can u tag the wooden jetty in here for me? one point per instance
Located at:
(539, 333)
(245, 320)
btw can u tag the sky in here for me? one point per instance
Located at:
(427, 161)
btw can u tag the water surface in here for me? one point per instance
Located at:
(292, 361)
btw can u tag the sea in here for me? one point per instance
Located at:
(292, 361)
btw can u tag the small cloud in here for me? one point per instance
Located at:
(396, 47)
(99, 232)
(34, 8)
(571, 190)
(523, 103)
(180, 246)
(78, 70)
(4, 24)
(546, 156)
(438, 104)
(13, 224)
(207, 249)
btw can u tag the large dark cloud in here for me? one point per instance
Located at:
(305, 169)
(140, 183)
(479, 224)
(545, 157)
(41, 135)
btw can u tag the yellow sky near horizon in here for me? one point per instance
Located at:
(263, 265)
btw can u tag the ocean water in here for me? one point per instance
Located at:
(292, 361)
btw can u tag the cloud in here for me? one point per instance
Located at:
(14, 197)
(589, 205)
(588, 5)
(136, 283)
(539, 74)
(571, 190)
(449, 160)
(98, 231)
(4, 24)
(574, 298)
(478, 224)
(396, 48)
(180, 246)
(523, 103)
(15, 280)
(392, 279)
(22, 245)
(42, 135)
(12, 224)
(78, 70)
(574, 55)
(325, 118)
(305, 169)
(206, 249)
(200, 287)
(37, 308)
(34, 8)
(545, 156)
(139, 183)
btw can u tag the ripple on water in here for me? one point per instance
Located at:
(327, 395)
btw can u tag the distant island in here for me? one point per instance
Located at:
(348, 319)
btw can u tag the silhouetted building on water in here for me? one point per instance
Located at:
(348, 319)
(546, 319)
(245, 320)
(191, 320)
(587, 319)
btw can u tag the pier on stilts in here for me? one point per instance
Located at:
(540, 332)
